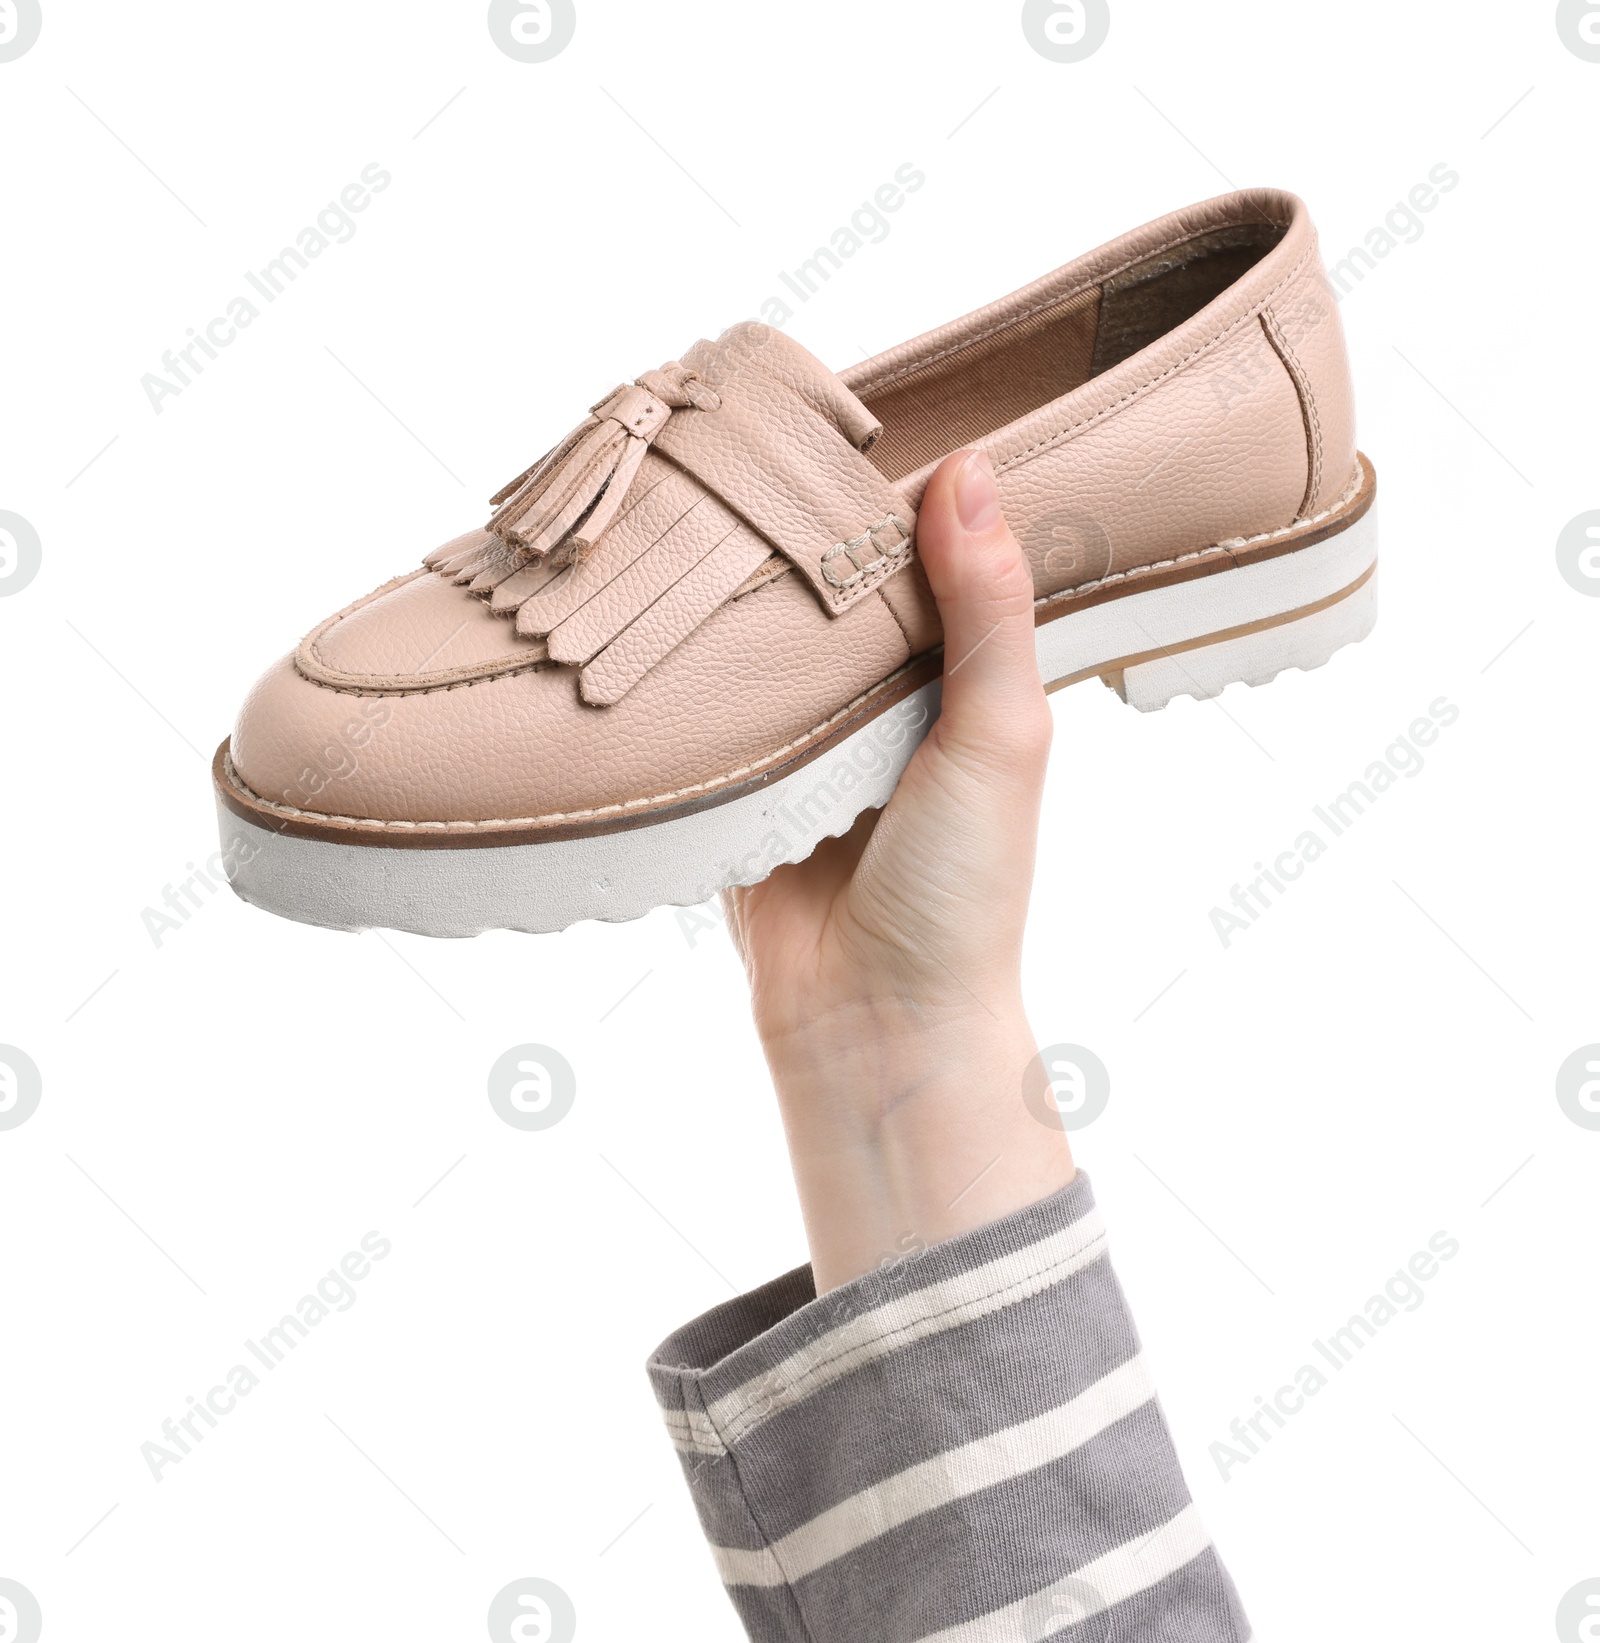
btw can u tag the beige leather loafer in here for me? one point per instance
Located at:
(694, 639)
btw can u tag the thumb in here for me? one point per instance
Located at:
(994, 705)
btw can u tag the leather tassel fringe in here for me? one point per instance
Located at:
(568, 498)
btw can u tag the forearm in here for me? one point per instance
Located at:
(907, 1128)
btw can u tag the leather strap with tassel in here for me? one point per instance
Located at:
(573, 494)
(619, 543)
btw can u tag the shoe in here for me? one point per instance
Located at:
(694, 639)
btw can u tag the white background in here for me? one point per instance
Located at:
(231, 1111)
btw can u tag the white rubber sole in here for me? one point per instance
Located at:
(1246, 624)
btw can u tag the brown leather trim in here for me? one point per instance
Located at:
(912, 677)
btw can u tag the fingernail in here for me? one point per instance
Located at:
(977, 495)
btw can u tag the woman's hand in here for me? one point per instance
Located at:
(885, 970)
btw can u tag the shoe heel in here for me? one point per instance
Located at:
(1253, 655)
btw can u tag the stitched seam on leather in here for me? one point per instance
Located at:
(1308, 406)
(498, 667)
(844, 598)
(904, 632)
(1038, 308)
(543, 663)
(1230, 544)
(1280, 348)
(1051, 440)
(896, 558)
(599, 810)
(309, 643)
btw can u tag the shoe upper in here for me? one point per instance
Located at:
(719, 561)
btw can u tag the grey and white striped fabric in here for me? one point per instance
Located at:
(961, 1447)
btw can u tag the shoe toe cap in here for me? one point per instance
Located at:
(419, 707)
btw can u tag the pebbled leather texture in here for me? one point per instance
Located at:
(788, 470)
(765, 670)
(700, 632)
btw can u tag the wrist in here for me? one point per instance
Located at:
(907, 1127)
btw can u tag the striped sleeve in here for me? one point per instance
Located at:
(962, 1446)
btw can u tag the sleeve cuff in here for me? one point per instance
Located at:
(962, 1445)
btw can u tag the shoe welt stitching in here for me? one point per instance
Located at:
(1231, 545)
